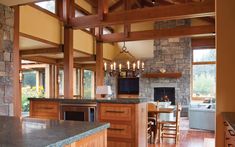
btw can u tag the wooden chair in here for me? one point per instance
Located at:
(170, 129)
(152, 120)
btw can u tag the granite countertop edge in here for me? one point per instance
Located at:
(80, 136)
(112, 100)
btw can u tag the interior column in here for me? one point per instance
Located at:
(17, 64)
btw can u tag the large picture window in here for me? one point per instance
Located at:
(204, 74)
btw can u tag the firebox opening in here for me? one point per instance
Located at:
(163, 94)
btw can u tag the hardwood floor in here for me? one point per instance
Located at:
(189, 138)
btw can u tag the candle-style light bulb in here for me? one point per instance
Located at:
(134, 66)
(111, 67)
(120, 67)
(128, 65)
(138, 64)
(142, 65)
(105, 66)
(114, 66)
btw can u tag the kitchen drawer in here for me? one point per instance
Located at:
(116, 112)
(42, 109)
(112, 143)
(120, 131)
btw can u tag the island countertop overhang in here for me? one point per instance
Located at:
(29, 132)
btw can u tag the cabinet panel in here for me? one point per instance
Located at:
(116, 112)
(44, 109)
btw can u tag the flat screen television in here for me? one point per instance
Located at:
(128, 85)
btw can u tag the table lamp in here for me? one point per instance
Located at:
(104, 91)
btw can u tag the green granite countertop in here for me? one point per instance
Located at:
(28, 132)
(100, 100)
(230, 118)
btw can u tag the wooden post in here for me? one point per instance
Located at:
(68, 62)
(99, 65)
(67, 7)
(17, 65)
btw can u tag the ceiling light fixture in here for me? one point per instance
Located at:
(128, 65)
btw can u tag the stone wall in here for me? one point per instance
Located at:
(174, 55)
(6, 48)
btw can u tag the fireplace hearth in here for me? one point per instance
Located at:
(164, 94)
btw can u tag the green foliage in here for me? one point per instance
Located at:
(30, 92)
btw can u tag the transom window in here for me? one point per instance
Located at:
(48, 5)
(204, 74)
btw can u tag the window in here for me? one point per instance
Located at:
(204, 74)
(48, 5)
(76, 83)
(89, 84)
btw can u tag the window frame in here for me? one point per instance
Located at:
(193, 98)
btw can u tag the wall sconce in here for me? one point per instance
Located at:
(21, 76)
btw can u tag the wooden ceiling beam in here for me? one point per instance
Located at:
(207, 30)
(202, 43)
(83, 59)
(80, 59)
(40, 59)
(171, 12)
(51, 50)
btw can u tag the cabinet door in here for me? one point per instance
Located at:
(44, 109)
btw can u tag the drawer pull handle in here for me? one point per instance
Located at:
(111, 111)
(116, 129)
(47, 108)
(231, 132)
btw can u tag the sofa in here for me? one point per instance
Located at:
(202, 116)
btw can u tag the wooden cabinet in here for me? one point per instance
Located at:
(128, 124)
(45, 109)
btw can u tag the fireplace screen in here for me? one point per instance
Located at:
(163, 94)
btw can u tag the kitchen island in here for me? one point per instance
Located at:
(127, 116)
(33, 132)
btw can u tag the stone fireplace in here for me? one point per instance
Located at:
(175, 56)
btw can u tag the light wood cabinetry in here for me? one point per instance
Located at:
(45, 109)
(128, 124)
(96, 140)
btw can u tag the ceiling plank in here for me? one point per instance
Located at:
(51, 50)
(181, 11)
(202, 43)
(207, 30)
(116, 5)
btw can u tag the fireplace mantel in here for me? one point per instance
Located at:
(162, 75)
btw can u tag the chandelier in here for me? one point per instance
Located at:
(124, 65)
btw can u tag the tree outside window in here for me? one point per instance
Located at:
(204, 74)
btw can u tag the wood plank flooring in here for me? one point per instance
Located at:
(189, 138)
